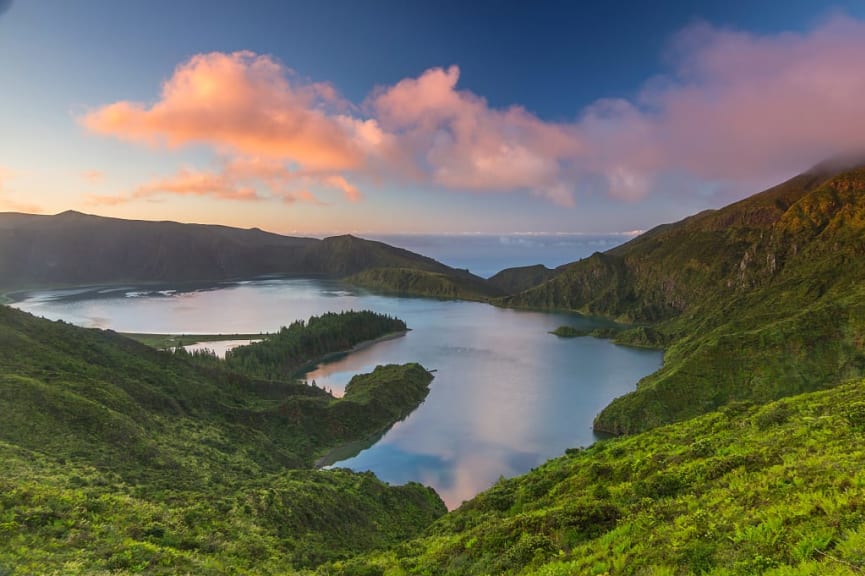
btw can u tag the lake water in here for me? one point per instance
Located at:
(507, 395)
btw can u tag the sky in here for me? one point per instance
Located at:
(394, 117)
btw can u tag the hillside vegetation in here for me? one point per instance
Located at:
(756, 301)
(777, 490)
(459, 285)
(119, 457)
(520, 279)
(280, 355)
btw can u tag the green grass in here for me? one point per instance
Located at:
(776, 489)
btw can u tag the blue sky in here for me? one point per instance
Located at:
(420, 116)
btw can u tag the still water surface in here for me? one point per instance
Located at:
(507, 395)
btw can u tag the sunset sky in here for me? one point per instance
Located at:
(420, 117)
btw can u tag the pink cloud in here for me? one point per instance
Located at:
(240, 103)
(350, 191)
(735, 110)
(9, 204)
(466, 144)
(188, 182)
(106, 200)
(93, 176)
(242, 179)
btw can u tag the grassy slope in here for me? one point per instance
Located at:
(758, 300)
(154, 435)
(776, 490)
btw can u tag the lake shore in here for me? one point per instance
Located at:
(342, 353)
(165, 341)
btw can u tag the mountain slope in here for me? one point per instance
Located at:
(117, 456)
(758, 300)
(457, 284)
(775, 490)
(516, 280)
(76, 249)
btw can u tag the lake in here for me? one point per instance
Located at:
(507, 395)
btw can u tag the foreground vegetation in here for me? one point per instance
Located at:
(776, 489)
(117, 457)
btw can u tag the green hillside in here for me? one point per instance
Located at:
(457, 284)
(117, 456)
(516, 280)
(758, 300)
(777, 490)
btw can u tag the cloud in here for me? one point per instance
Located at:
(190, 182)
(240, 103)
(238, 179)
(10, 205)
(737, 107)
(93, 176)
(733, 110)
(463, 143)
(339, 183)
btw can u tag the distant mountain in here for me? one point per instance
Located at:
(520, 279)
(758, 300)
(455, 284)
(73, 248)
(346, 255)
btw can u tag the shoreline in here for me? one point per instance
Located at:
(161, 341)
(310, 366)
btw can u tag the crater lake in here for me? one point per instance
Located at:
(507, 395)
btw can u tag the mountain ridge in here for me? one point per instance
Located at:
(778, 275)
(72, 248)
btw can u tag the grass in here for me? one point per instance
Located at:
(777, 489)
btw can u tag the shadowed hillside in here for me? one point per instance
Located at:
(75, 249)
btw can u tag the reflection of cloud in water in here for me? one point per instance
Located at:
(335, 373)
(462, 478)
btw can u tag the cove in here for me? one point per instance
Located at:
(507, 395)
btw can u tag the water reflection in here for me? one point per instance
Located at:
(219, 347)
(506, 395)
